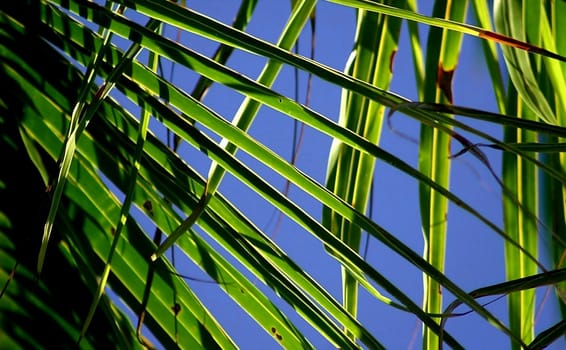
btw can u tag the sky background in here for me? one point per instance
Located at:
(475, 254)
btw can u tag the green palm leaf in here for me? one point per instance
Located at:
(85, 100)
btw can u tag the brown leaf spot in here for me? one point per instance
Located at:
(277, 335)
(176, 309)
(444, 82)
(148, 207)
(391, 59)
(500, 38)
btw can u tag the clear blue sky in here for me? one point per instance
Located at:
(475, 254)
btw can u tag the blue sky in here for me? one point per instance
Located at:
(396, 201)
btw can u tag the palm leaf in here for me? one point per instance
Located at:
(126, 185)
